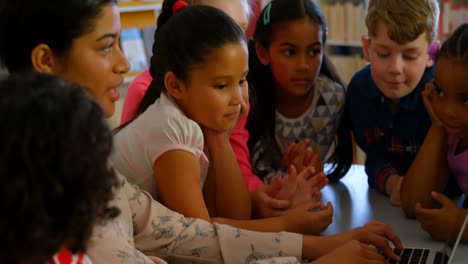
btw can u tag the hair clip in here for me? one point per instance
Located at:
(266, 15)
(178, 5)
(433, 50)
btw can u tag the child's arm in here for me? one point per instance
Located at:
(378, 168)
(429, 170)
(368, 136)
(165, 233)
(179, 170)
(161, 232)
(374, 233)
(225, 184)
(178, 180)
(113, 241)
(440, 222)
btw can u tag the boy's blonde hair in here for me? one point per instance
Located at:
(245, 4)
(405, 20)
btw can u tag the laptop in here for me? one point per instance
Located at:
(430, 256)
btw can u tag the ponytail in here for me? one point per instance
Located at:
(204, 28)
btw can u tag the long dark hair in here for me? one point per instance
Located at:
(183, 41)
(24, 24)
(261, 120)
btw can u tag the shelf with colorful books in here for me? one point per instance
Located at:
(453, 14)
(346, 24)
(138, 19)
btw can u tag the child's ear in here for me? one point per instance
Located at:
(262, 54)
(430, 62)
(42, 59)
(365, 46)
(174, 86)
(432, 52)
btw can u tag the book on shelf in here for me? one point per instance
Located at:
(148, 39)
(347, 65)
(452, 16)
(134, 49)
(345, 20)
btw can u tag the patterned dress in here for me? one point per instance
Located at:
(318, 123)
(146, 228)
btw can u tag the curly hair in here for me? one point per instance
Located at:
(56, 179)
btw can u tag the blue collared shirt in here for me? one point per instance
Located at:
(390, 139)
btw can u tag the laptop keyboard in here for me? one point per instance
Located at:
(417, 256)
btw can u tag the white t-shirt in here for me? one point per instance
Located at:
(161, 128)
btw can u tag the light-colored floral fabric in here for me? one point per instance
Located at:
(146, 228)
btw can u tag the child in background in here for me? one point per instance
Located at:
(192, 105)
(238, 9)
(143, 224)
(56, 182)
(387, 113)
(445, 148)
(265, 204)
(298, 97)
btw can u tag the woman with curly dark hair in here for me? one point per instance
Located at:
(56, 182)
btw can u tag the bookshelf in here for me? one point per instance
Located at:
(452, 14)
(138, 14)
(133, 14)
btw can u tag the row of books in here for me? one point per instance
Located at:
(453, 15)
(347, 65)
(137, 45)
(345, 20)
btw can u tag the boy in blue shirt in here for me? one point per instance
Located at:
(388, 117)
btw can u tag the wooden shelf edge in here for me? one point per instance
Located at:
(139, 7)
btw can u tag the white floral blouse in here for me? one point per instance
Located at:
(147, 232)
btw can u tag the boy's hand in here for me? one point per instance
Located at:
(438, 222)
(427, 96)
(301, 155)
